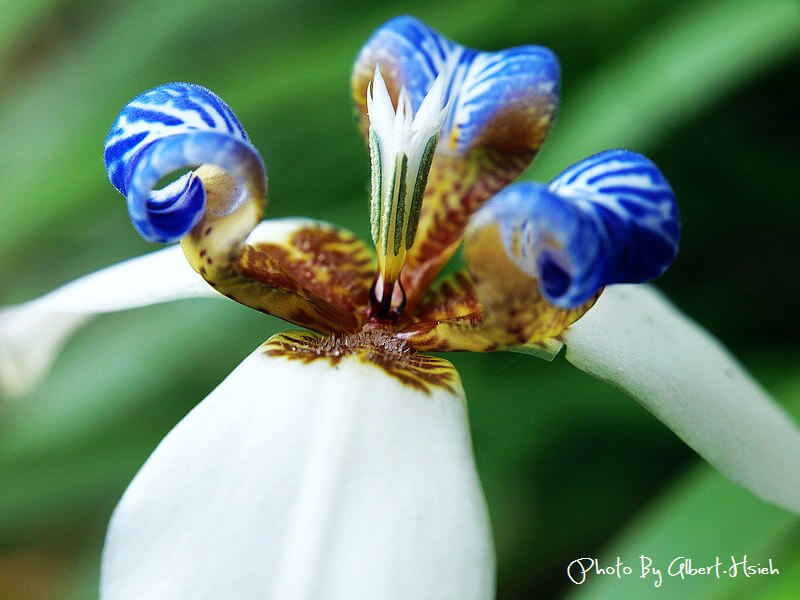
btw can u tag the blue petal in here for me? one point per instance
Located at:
(171, 127)
(482, 86)
(611, 218)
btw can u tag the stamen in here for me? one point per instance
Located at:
(402, 147)
(419, 189)
(377, 184)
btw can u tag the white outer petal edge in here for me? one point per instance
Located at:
(32, 333)
(636, 339)
(546, 349)
(306, 481)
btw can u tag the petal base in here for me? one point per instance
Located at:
(371, 346)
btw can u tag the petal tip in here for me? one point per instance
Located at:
(611, 218)
(490, 93)
(166, 129)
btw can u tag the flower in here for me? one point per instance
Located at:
(337, 462)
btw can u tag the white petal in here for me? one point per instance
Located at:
(32, 333)
(306, 481)
(634, 338)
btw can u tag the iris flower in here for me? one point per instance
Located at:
(335, 461)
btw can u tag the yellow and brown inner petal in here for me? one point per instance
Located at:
(457, 187)
(495, 306)
(312, 274)
(328, 266)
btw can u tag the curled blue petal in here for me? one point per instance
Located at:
(483, 86)
(172, 127)
(611, 218)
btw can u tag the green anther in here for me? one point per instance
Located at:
(419, 189)
(401, 168)
(377, 184)
(386, 212)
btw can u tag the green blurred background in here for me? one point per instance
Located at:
(571, 467)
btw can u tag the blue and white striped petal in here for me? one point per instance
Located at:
(611, 218)
(482, 86)
(172, 127)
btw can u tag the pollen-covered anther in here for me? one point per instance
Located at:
(401, 144)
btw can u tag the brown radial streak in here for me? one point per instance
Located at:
(375, 346)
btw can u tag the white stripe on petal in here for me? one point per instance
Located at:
(32, 333)
(634, 338)
(306, 481)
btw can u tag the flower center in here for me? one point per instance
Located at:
(401, 146)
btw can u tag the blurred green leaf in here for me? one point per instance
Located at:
(18, 19)
(82, 582)
(669, 75)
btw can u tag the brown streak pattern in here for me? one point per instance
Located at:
(381, 348)
(457, 187)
